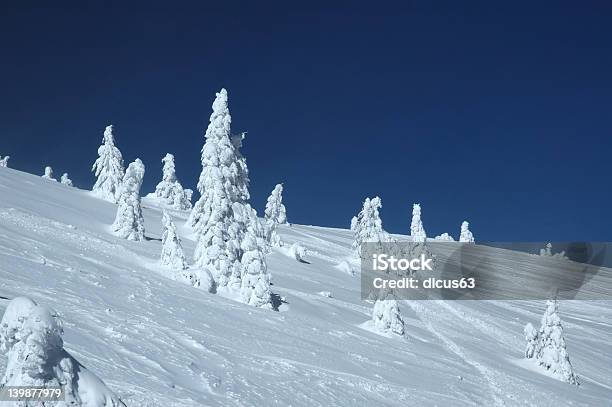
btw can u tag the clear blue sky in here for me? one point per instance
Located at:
(499, 113)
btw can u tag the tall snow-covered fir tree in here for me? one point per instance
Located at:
(367, 225)
(129, 223)
(170, 189)
(4, 161)
(275, 214)
(31, 336)
(108, 168)
(466, 235)
(228, 229)
(65, 180)
(48, 174)
(417, 231)
(547, 346)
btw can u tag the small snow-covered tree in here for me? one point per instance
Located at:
(547, 252)
(129, 223)
(547, 346)
(48, 174)
(298, 251)
(65, 180)
(417, 231)
(4, 161)
(275, 214)
(172, 254)
(170, 189)
(367, 225)
(255, 279)
(108, 168)
(444, 237)
(31, 336)
(386, 315)
(533, 345)
(466, 236)
(275, 210)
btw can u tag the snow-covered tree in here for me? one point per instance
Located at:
(255, 279)
(218, 230)
(367, 226)
(172, 255)
(275, 210)
(386, 315)
(466, 236)
(242, 174)
(531, 337)
(547, 252)
(4, 161)
(48, 174)
(129, 223)
(31, 336)
(275, 214)
(417, 231)
(298, 251)
(65, 180)
(547, 346)
(108, 168)
(170, 189)
(444, 237)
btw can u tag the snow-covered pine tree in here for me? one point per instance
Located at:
(31, 335)
(170, 189)
(48, 174)
(444, 237)
(466, 236)
(65, 180)
(552, 350)
(275, 214)
(387, 316)
(547, 252)
(172, 255)
(417, 231)
(533, 345)
(275, 210)
(547, 346)
(108, 168)
(129, 223)
(367, 225)
(4, 161)
(242, 176)
(255, 279)
(218, 231)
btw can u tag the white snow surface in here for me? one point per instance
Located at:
(159, 342)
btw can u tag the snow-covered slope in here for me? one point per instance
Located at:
(157, 342)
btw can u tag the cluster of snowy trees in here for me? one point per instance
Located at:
(64, 179)
(231, 240)
(547, 345)
(31, 337)
(4, 161)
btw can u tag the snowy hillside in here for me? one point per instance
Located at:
(158, 342)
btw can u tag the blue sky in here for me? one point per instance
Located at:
(495, 113)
